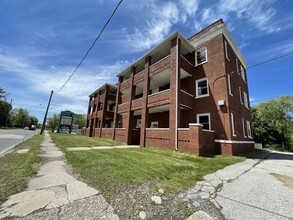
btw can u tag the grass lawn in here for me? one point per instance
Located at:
(123, 170)
(15, 169)
(76, 140)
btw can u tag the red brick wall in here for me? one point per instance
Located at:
(120, 135)
(159, 138)
(107, 133)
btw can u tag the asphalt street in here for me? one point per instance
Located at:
(263, 192)
(10, 138)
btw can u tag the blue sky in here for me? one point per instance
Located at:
(43, 41)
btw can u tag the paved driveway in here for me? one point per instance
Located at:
(10, 138)
(263, 192)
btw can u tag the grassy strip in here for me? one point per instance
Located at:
(16, 168)
(69, 140)
(112, 171)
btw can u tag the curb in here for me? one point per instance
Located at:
(11, 148)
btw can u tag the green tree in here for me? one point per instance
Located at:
(34, 120)
(53, 121)
(21, 118)
(5, 108)
(273, 122)
(80, 120)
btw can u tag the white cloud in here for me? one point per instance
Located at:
(259, 13)
(161, 20)
(38, 82)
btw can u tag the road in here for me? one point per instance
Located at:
(263, 192)
(10, 138)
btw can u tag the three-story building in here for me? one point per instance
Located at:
(189, 95)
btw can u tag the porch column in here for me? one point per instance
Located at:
(117, 102)
(104, 111)
(130, 121)
(144, 110)
(97, 99)
(174, 114)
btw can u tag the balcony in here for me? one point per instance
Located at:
(124, 85)
(160, 65)
(186, 65)
(186, 99)
(138, 77)
(136, 104)
(159, 98)
(122, 107)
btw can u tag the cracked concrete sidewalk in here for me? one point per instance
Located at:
(55, 194)
(247, 190)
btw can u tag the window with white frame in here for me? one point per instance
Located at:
(226, 51)
(233, 124)
(205, 120)
(138, 123)
(240, 95)
(242, 73)
(154, 124)
(201, 56)
(237, 66)
(248, 129)
(229, 85)
(243, 127)
(202, 87)
(245, 99)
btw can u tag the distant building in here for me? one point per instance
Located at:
(189, 95)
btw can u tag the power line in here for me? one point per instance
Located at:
(91, 47)
(272, 59)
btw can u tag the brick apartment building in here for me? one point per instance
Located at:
(188, 95)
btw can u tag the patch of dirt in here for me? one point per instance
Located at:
(286, 180)
(128, 204)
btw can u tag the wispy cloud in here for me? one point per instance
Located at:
(161, 17)
(37, 80)
(259, 13)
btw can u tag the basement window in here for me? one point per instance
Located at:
(204, 119)
(201, 56)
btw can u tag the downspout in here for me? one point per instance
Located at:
(176, 110)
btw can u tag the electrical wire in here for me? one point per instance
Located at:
(272, 59)
(91, 47)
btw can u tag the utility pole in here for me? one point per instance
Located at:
(45, 118)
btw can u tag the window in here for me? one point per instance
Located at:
(237, 66)
(119, 124)
(242, 73)
(138, 123)
(240, 95)
(233, 124)
(154, 124)
(243, 127)
(202, 88)
(245, 99)
(229, 85)
(204, 119)
(248, 129)
(201, 56)
(226, 51)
